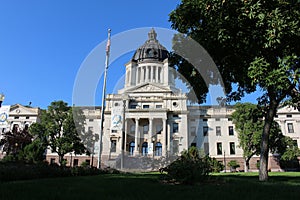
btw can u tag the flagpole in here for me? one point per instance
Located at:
(103, 98)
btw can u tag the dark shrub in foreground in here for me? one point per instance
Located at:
(189, 168)
(12, 171)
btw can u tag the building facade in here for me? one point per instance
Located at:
(17, 117)
(150, 119)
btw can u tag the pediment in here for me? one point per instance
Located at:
(18, 109)
(149, 88)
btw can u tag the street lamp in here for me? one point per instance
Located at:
(224, 162)
(93, 149)
(2, 97)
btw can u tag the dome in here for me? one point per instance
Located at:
(151, 50)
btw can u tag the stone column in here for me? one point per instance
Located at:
(169, 138)
(136, 136)
(147, 74)
(151, 73)
(150, 134)
(156, 77)
(165, 141)
(137, 75)
(125, 138)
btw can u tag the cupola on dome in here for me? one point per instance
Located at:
(151, 50)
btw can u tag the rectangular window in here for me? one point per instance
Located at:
(113, 147)
(91, 120)
(218, 130)
(206, 148)
(289, 116)
(230, 130)
(146, 106)
(88, 162)
(132, 106)
(194, 144)
(27, 117)
(75, 162)
(145, 129)
(205, 131)
(16, 117)
(52, 161)
(295, 143)
(175, 146)
(218, 119)
(229, 119)
(175, 127)
(175, 116)
(232, 148)
(205, 120)
(158, 106)
(114, 131)
(193, 131)
(290, 128)
(132, 129)
(219, 148)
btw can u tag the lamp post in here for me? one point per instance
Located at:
(93, 149)
(2, 97)
(224, 162)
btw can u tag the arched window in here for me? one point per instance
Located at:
(131, 148)
(145, 148)
(158, 149)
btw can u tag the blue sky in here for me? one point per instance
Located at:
(44, 42)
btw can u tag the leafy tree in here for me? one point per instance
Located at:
(247, 118)
(255, 44)
(60, 130)
(15, 141)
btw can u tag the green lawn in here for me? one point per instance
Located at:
(146, 186)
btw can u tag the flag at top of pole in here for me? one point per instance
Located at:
(108, 42)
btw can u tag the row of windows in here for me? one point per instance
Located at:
(17, 117)
(231, 148)
(145, 106)
(218, 131)
(205, 119)
(157, 148)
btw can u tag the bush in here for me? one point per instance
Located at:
(215, 165)
(233, 164)
(13, 171)
(189, 168)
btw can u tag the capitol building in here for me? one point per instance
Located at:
(150, 121)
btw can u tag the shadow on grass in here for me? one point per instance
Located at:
(147, 186)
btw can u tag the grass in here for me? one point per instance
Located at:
(147, 186)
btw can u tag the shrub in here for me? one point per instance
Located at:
(233, 164)
(215, 165)
(189, 168)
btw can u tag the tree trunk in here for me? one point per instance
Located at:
(264, 152)
(246, 167)
(60, 159)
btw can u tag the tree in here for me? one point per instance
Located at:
(247, 118)
(255, 44)
(15, 141)
(60, 130)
